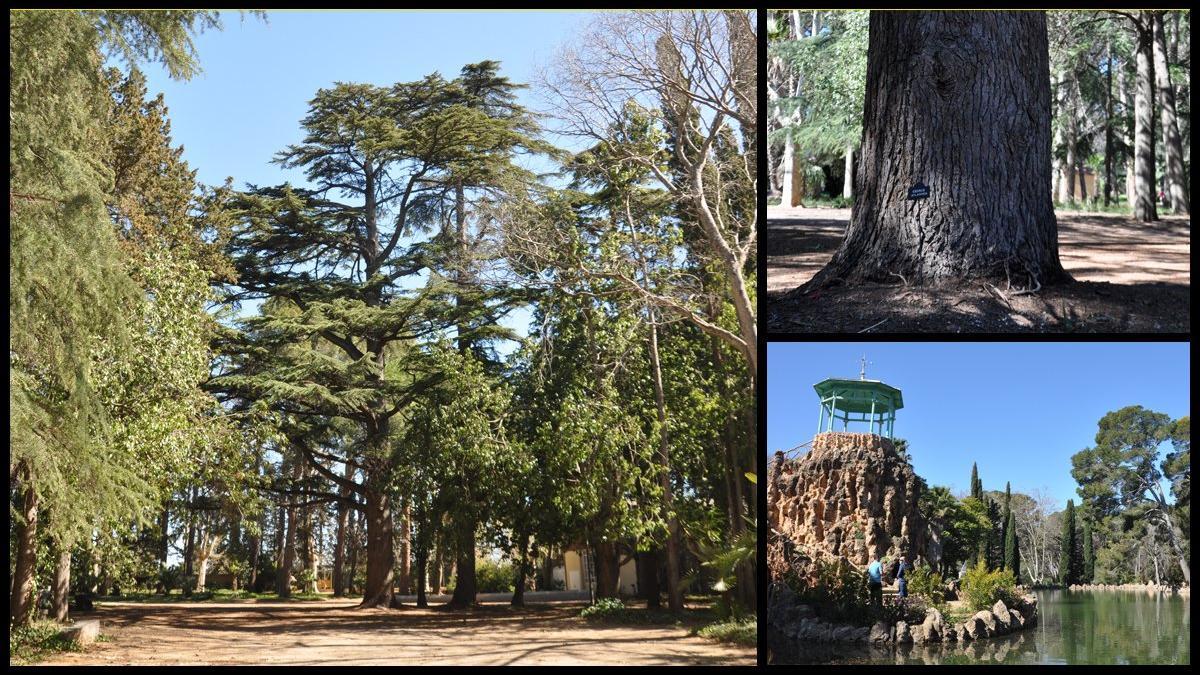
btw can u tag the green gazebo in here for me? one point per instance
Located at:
(860, 400)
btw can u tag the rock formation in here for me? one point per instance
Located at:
(853, 497)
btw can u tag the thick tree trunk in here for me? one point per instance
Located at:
(1176, 180)
(381, 556)
(61, 590)
(959, 102)
(465, 588)
(787, 195)
(353, 547)
(20, 602)
(647, 568)
(608, 572)
(1144, 208)
(339, 550)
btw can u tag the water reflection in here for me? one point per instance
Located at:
(1074, 627)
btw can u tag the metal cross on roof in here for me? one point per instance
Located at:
(862, 375)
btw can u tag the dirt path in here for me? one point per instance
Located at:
(334, 633)
(1092, 246)
(1130, 277)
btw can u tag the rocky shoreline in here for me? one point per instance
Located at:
(799, 621)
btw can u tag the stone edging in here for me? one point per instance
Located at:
(1144, 588)
(799, 622)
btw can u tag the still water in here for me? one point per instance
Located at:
(1109, 627)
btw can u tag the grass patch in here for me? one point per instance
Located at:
(736, 631)
(32, 643)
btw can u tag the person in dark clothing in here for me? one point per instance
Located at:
(902, 577)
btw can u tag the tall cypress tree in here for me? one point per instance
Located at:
(976, 484)
(1068, 562)
(1005, 522)
(1010, 545)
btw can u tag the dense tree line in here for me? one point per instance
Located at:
(1120, 105)
(269, 382)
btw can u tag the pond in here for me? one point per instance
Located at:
(1074, 627)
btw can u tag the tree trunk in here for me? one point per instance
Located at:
(464, 581)
(280, 540)
(438, 566)
(422, 556)
(189, 551)
(1144, 209)
(1176, 179)
(518, 598)
(848, 182)
(20, 603)
(381, 556)
(960, 102)
(608, 579)
(674, 591)
(61, 591)
(647, 563)
(283, 583)
(788, 194)
(1072, 137)
(202, 574)
(406, 550)
(339, 550)
(1108, 130)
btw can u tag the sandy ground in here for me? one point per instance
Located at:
(334, 633)
(1092, 246)
(1129, 277)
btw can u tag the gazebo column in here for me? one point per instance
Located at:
(873, 415)
(821, 418)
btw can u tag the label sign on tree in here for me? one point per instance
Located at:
(918, 191)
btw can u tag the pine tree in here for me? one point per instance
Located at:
(1089, 558)
(976, 484)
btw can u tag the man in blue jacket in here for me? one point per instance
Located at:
(875, 582)
(902, 577)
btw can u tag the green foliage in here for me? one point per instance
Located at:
(1068, 560)
(1089, 556)
(742, 631)
(1011, 553)
(924, 581)
(493, 576)
(39, 639)
(982, 588)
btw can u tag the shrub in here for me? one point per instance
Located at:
(924, 581)
(738, 631)
(494, 576)
(835, 589)
(981, 588)
(171, 578)
(188, 583)
(605, 609)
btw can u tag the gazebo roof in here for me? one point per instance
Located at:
(857, 395)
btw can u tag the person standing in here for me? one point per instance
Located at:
(902, 577)
(875, 582)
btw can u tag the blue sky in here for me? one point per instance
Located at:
(258, 77)
(1019, 410)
